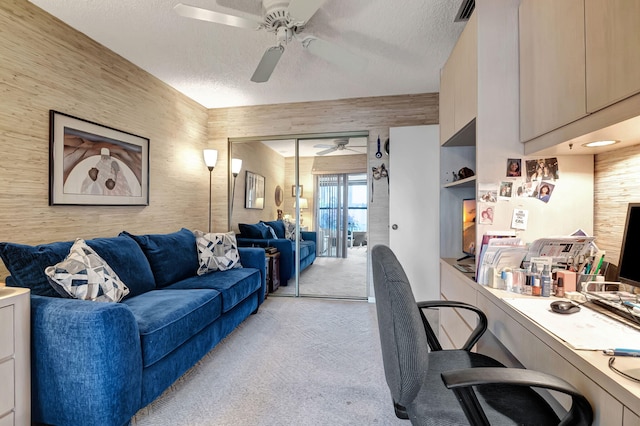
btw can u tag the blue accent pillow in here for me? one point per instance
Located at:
(278, 226)
(173, 257)
(255, 231)
(27, 264)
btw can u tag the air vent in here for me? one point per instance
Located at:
(465, 11)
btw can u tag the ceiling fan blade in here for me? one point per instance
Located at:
(300, 11)
(327, 151)
(323, 145)
(216, 17)
(267, 64)
(335, 54)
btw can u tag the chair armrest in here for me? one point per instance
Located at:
(461, 382)
(475, 335)
(83, 353)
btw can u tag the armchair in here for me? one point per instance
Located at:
(432, 386)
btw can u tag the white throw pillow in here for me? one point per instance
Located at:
(216, 252)
(84, 275)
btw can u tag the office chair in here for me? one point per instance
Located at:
(432, 386)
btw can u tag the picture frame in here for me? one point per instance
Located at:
(293, 190)
(254, 191)
(93, 164)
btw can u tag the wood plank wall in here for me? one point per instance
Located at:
(374, 114)
(617, 183)
(47, 65)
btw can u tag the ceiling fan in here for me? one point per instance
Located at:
(338, 145)
(286, 19)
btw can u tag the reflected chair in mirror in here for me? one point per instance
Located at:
(432, 386)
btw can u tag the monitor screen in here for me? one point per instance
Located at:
(629, 267)
(469, 226)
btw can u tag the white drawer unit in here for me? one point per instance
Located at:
(15, 392)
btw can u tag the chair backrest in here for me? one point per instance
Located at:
(402, 335)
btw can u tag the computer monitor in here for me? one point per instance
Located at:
(469, 227)
(629, 265)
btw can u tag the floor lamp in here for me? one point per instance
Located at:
(210, 159)
(236, 165)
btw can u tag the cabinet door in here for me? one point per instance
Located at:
(446, 103)
(466, 75)
(552, 65)
(612, 51)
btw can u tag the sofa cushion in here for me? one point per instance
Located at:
(27, 263)
(278, 227)
(253, 231)
(234, 285)
(167, 319)
(173, 257)
(127, 260)
(84, 275)
(216, 252)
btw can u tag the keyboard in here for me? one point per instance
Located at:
(613, 309)
(467, 269)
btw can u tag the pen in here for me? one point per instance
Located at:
(622, 352)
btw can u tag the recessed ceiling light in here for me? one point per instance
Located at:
(599, 143)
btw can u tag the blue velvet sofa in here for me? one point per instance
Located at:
(96, 363)
(259, 235)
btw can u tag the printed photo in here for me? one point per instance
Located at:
(514, 167)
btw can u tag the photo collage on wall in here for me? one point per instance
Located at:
(535, 178)
(523, 179)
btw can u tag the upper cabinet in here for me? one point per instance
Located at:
(577, 57)
(613, 51)
(459, 84)
(552, 65)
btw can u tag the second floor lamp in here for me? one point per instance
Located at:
(210, 159)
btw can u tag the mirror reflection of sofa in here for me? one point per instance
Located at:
(274, 234)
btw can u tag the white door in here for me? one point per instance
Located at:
(414, 206)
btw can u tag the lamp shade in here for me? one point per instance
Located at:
(304, 204)
(236, 165)
(210, 157)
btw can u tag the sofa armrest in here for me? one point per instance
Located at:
(86, 362)
(309, 236)
(254, 257)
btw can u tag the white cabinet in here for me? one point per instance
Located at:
(15, 360)
(552, 65)
(579, 67)
(612, 51)
(459, 84)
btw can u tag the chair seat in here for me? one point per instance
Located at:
(435, 405)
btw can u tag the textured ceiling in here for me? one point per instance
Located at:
(405, 42)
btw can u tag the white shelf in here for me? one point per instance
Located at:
(462, 183)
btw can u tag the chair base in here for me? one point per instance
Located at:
(401, 412)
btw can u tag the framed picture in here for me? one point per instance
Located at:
(254, 191)
(293, 190)
(91, 164)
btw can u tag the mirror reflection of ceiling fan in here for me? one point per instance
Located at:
(340, 145)
(286, 19)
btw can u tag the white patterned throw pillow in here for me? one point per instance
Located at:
(85, 275)
(216, 252)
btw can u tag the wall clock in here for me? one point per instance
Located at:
(279, 196)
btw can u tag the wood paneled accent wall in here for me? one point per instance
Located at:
(46, 65)
(616, 183)
(375, 115)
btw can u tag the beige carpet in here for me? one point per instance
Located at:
(296, 362)
(333, 277)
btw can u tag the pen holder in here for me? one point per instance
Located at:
(589, 282)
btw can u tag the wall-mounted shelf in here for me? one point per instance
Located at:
(462, 183)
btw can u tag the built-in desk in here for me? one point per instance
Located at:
(516, 340)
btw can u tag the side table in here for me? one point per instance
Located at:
(15, 356)
(273, 271)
